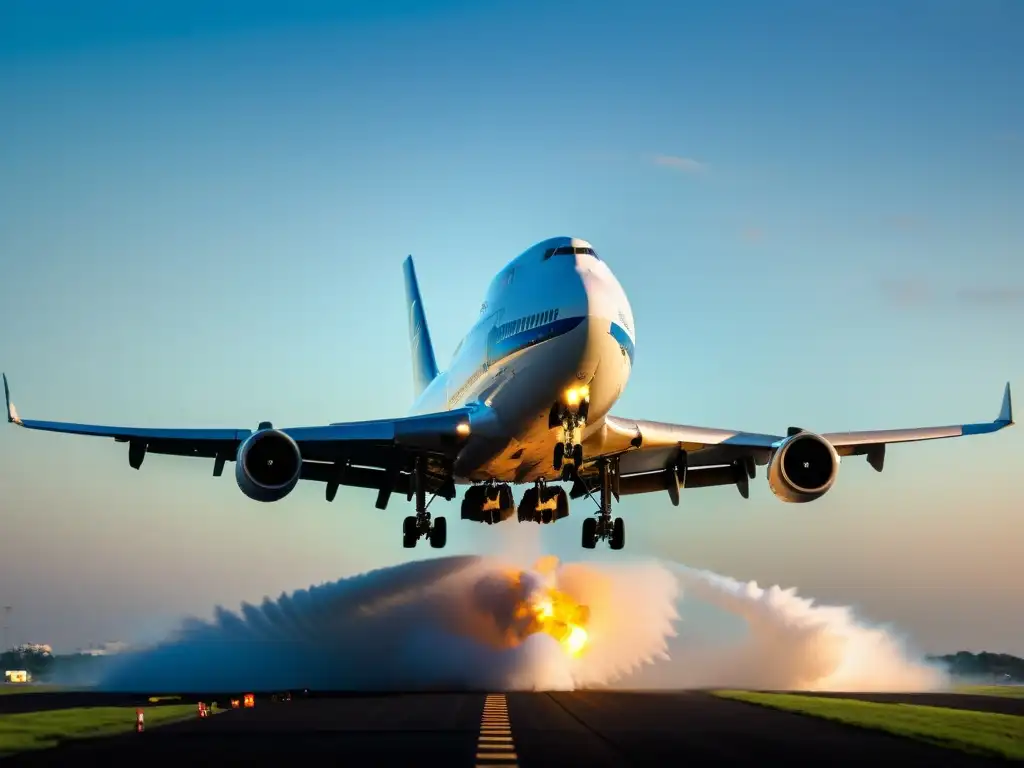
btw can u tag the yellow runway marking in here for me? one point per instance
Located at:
(495, 745)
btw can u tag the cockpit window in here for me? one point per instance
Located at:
(568, 250)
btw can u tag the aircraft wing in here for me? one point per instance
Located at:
(367, 454)
(651, 446)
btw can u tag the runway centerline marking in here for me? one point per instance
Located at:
(495, 745)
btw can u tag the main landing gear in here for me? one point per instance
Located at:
(415, 527)
(601, 526)
(490, 503)
(530, 508)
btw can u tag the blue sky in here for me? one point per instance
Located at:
(814, 208)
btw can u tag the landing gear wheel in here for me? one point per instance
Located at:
(528, 506)
(409, 532)
(439, 533)
(618, 538)
(577, 455)
(589, 533)
(562, 505)
(567, 471)
(559, 455)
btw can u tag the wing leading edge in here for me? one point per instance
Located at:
(368, 454)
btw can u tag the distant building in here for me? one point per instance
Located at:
(33, 648)
(107, 649)
(16, 676)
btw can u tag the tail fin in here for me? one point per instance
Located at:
(424, 366)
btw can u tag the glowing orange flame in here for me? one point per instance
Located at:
(556, 614)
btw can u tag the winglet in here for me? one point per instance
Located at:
(1006, 412)
(12, 412)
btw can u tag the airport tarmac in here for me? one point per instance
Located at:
(526, 729)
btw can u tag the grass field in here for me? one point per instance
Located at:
(41, 730)
(1008, 691)
(984, 733)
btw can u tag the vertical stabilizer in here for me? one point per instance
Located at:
(424, 366)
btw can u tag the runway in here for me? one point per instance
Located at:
(524, 729)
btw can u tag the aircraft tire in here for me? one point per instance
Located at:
(409, 536)
(589, 533)
(618, 537)
(439, 533)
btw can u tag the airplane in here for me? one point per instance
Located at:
(526, 399)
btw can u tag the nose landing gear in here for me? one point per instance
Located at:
(570, 421)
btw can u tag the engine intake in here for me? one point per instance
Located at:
(803, 469)
(268, 466)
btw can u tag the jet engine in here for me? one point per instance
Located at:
(268, 465)
(803, 469)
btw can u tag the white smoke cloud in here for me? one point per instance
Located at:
(782, 641)
(447, 623)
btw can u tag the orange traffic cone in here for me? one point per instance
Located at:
(140, 721)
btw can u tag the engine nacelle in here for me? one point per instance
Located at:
(804, 468)
(268, 465)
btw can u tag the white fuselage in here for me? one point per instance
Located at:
(554, 318)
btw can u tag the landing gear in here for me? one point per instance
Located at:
(490, 503)
(570, 422)
(415, 527)
(602, 526)
(542, 504)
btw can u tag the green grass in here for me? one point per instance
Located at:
(984, 733)
(42, 730)
(1006, 691)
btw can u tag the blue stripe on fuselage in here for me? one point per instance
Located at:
(500, 348)
(620, 335)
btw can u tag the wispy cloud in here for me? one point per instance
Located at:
(993, 296)
(906, 292)
(683, 164)
(918, 292)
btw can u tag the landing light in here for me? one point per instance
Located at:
(462, 429)
(574, 395)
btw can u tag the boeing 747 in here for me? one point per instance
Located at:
(526, 400)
